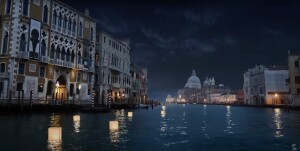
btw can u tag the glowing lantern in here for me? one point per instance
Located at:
(113, 125)
(54, 134)
(129, 114)
(163, 112)
(163, 107)
(76, 118)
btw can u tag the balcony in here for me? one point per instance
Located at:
(4, 75)
(44, 59)
(91, 69)
(115, 85)
(73, 34)
(53, 26)
(22, 54)
(81, 67)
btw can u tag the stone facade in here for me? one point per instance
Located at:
(45, 44)
(112, 69)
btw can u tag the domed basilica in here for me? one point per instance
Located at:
(194, 92)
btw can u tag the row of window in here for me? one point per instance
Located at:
(114, 45)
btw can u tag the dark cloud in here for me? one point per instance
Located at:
(220, 39)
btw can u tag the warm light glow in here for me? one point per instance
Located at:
(163, 107)
(118, 94)
(76, 118)
(129, 114)
(163, 112)
(276, 95)
(54, 134)
(179, 96)
(57, 84)
(113, 125)
(79, 86)
(277, 110)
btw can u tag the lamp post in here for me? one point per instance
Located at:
(123, 97)
(79, 88)
(276, 95)
(118, 95)
(57, 91)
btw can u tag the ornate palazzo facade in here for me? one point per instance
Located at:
(48, 47)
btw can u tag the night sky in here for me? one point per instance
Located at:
(219, 39)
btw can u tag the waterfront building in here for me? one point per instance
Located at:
(266, 85)
(294, 79)
(112, 69)
(138, 80)
(195, 92)
(169, 99)
(47, 47)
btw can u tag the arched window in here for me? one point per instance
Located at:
(5, 43)
(43, 48)
(80, 29)
(57, 52)
(92, 34)
(59, 19)
(70, 24)
(8, 6)
(45, 14)
(72, 56)
(54, 18)
(52, 51)
(25, 7)
(68, 55)
(65, 22)
(63, 53)
(23, 42)
(79, 58)
(74, 26)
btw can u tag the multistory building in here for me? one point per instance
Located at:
(266, 85)
(112, 69)
(47, 47)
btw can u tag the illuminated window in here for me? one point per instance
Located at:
(40, 88)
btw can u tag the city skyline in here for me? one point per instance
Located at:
(220, 39)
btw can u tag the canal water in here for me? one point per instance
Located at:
(178, 127)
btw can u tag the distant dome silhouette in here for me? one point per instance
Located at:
(193, 82)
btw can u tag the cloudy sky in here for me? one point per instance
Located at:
(219, 39)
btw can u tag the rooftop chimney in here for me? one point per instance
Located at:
(87, 12)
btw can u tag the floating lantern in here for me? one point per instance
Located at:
(54, 134)
(113, 125)
(129, 114)
(163, 112)
(163, 107)
(76, 118)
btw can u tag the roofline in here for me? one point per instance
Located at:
(75, 10)
(113, 37)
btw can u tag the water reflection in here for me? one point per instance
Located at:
(204, 127)
(55, 133)
(228, 120)
(119, 136)
(76, 123)
(278, 122)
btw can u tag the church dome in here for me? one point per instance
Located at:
(193, 81)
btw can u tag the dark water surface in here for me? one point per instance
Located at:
(182, 128)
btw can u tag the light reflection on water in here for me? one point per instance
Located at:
(119, 137)
(205, 125)
(191, 126)
(229, 124)
(55, 121)
(278, 123)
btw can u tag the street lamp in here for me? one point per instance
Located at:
(57, 89)
(79, 88)
(276, 95)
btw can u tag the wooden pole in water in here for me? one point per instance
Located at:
(22, 100)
